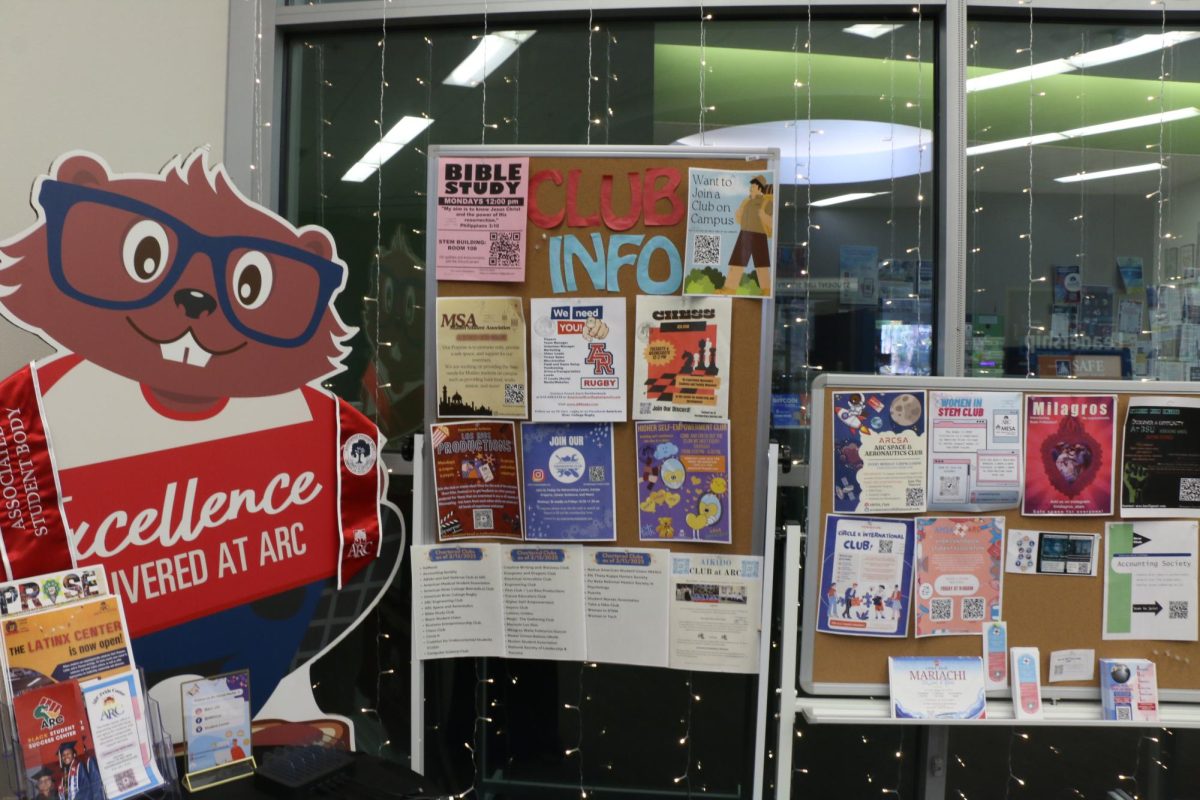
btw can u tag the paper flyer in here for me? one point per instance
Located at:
(51, 730)
(948, 687)
(476, 482)
(866, 576)
(1129, 317)
(121, 736)
(481, 357)
(627, 620)
(1051, 553)
(570, 488)
(995, 655)
(858, 267)
(79, 642)
(458, 602)
(1096, 312)
(1068, 286)
(543, 602)
(1160, 457)
(716, 606)
(52, 589)
(974, 450)
(730, 232)
(578, 359)
(879, 452)
(959, 574)
(684, 481)
(1150, 580)
(1072, 665)
(481, 210)
(1129, 268)
(681, 358)
(1129, 689)
(217, 713)
(1069, 442)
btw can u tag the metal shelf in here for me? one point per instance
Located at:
(1060, 713)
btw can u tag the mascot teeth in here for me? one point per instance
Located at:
(186, 350)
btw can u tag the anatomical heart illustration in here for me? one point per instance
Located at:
(1069, 442)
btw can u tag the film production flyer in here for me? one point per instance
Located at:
(52, 589)
(481, 357)
(974, 450)
(866, 576)
(481, 209)
(578, 359)
(959, 574)
(1069, 442)
(543, 602)
(879, 452)
(730, 232)
(475, 478)
(681, 358)
(684, 481)
(1150, 580)
(570, 492)
(716, 606)
(115, 709)
(1160, 458)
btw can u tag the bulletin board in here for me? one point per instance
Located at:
(751, 321)
(1049, 612)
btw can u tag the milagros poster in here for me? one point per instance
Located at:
(481, 218)
(974, 450)
(716, 609)
(1069, 442)
(684, 481)
(1160, 458)
(730, 232)
(476, 481)
(681, 358)
(578, 359)
(570, 491)
(959, 574)
(866, 576)
(879, 452)
(481, 357)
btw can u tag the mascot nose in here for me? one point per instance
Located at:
(195, 302)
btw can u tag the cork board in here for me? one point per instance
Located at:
(750, 337)
(1043, 611)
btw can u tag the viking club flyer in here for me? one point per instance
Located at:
(1069, 443)
(681, 358)
(476, 480)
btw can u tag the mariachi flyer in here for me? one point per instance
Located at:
(866, 576)
(115, 709)
(974, 450)
(947, 687)
(51, 720)
(1069, 442)
(481, 209)
(1160, 458)
(681, 357)
(1150, 580)
(570, 492)
(481, 357)
(730, 232)
(578, 359)
(959, 574)
(684, 481)
(716, 611)
(216, 712)
(52, 589)
(879, 452)
(476, 481)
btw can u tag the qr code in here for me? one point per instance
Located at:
(504, 250)
(1124, 712)
(483, 519)
(706, 249)
(1189, 490)
(596, 473)
(126, 779)
(941, 609)
(973, 609)
(1177, 609)
(514, 394)
(914, 498)
(885, 546)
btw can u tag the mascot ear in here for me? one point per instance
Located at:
(82, 170)
(318, 242)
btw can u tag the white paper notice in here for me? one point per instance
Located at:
(715, 612)
(1072, 665)
(543, 602)
(624, 593)
(578, 359)
(457, 601)
(1150, 580)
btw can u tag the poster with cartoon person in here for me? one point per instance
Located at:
(730, 233)
(879, 449)
(683, 481)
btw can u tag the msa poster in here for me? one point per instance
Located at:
(730, 232)
(481, 357)
(716, 609)
(570, 489)
(684, 481)
(1069, 442)
(681, 358)
(1150, 580)
(481, 210)
(866, 576)
(879, 452)
(476, 480)
(578, 359)
(974, 450)
(959, 574)
(1160, 458)
(78, 642)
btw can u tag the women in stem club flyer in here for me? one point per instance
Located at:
(974, 450)
(866, 575)
(1069, 443)
(684, 482)
(476, 482)
(681, 358)
(960, 569)
(879, 452)
(570, 493)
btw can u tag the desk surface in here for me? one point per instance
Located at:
(370, 778)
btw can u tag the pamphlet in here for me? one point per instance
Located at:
(52, 729)
(1129, 268)
(1051, 553)
(1096, 312)
(684, 481)
(624, 593)
(1067, 284)
(1160, 458)
(716, 607)
(974, 450)
(481, 357)
(932, 687)
(481, 218)
(995, 655)
(1129, 689)
(578, 358)
(52, 589)
(1150, 580)
(878, 452)
(681, 358)
(570, 489)
(730, 232)
(458, 604)
(1072, 665)
(115, 709)
(1026, 683)
(217, 714)
(1069, 443)
(543, 602)
(858, 266)
(476, 482)
(866, 576)
(958, 574)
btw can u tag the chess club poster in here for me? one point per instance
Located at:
(879, 449)
(682, 358)
(476, 482)
(1069, 443)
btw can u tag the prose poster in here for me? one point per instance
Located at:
(1069, 441)
(681, 357)
(683, 481)
(481, 357)
(578, 359)
(481, 218)
(879, 452)
(570, 492)
(476, 481)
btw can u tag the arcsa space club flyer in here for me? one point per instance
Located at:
(879, 452)
(1069, 442)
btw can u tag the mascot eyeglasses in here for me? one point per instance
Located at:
(137, 254)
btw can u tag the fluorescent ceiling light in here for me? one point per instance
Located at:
(392, 142)
(1089, 130)
(1094, 58)
(1013, 144)
(844, 198)
(492, 51)
(1109, 173)
(872, 30)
